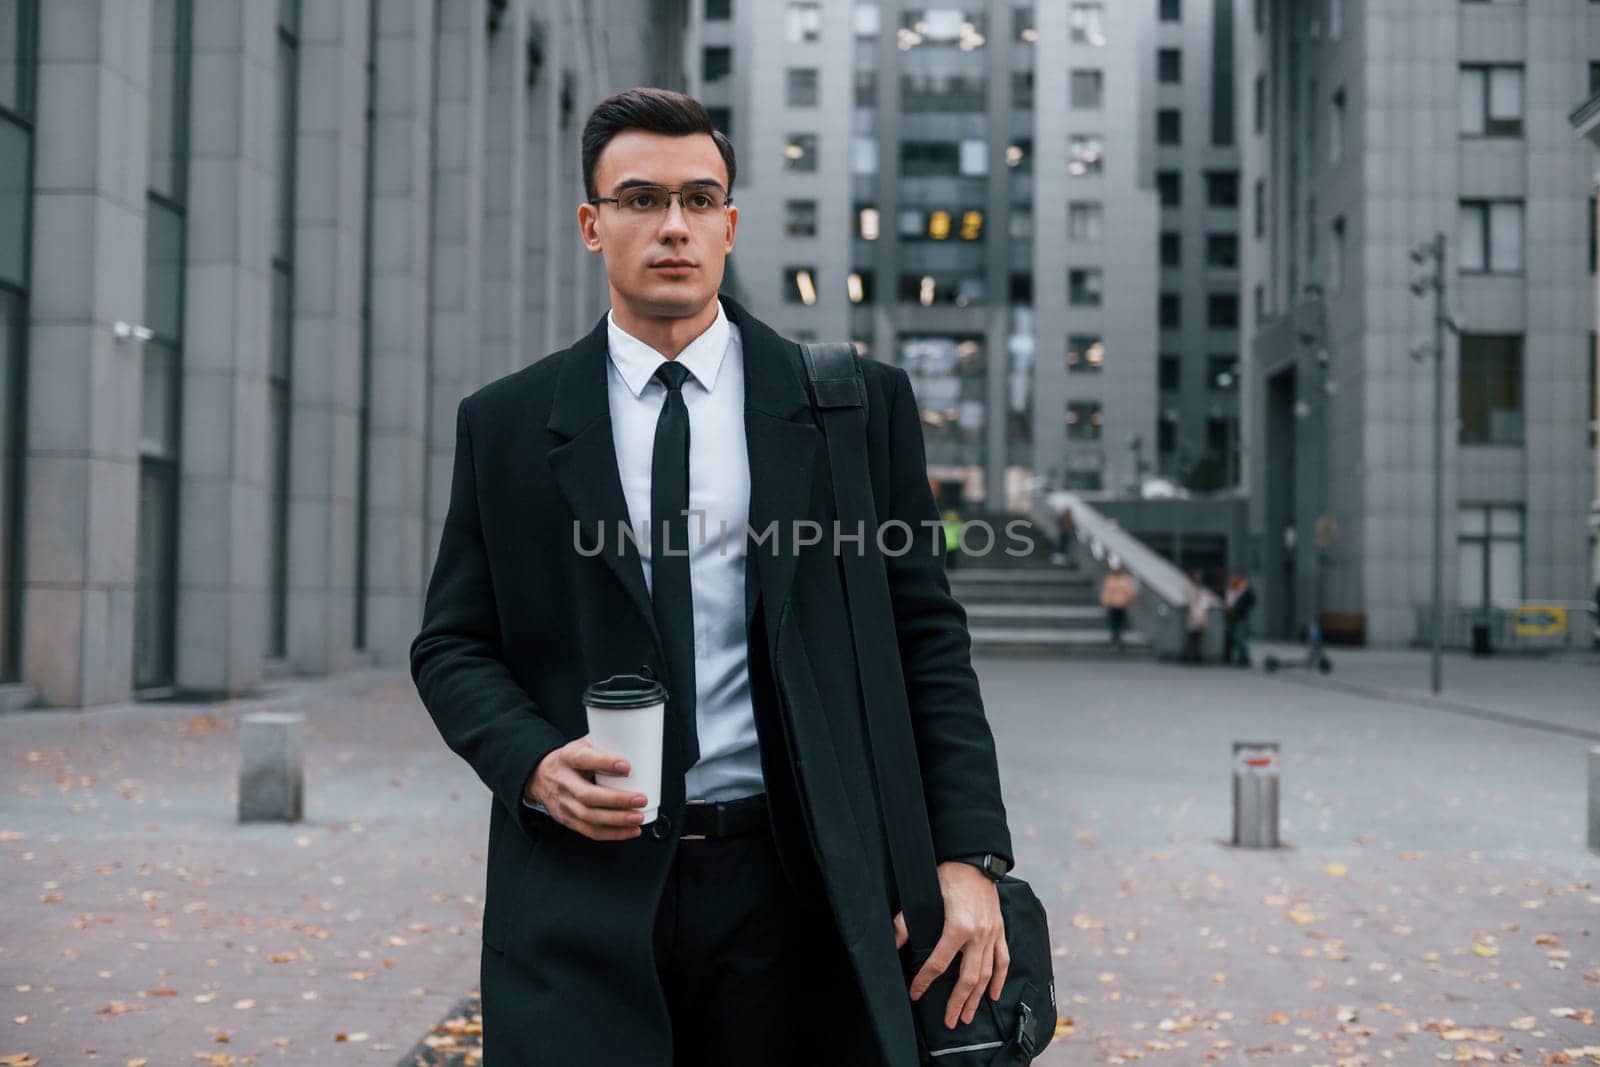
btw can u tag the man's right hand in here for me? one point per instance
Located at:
(563, 782)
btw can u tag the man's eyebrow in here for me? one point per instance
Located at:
(634, 183)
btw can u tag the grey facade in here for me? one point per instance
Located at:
(251, 255)
(1378, 124)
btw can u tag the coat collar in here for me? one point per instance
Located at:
(780, 436)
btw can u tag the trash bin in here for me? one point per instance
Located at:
(1480, 639)
(1255, 794)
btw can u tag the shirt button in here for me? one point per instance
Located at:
(661, 829)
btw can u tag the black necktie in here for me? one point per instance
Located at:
(670, 592)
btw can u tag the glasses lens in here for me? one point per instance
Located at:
(644, 199)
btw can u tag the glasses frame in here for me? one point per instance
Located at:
(727, 197)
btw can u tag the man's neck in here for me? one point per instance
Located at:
(669, 336)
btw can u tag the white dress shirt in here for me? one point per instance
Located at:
(719, 486)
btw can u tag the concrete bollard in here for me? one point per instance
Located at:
(271, 773)
(1594, 799)
(1255, 794)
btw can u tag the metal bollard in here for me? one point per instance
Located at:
(271, 775)
(1594, 799)
(1255, 794)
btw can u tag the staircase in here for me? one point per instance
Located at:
(1029, 606)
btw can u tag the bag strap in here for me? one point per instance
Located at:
(839, 399)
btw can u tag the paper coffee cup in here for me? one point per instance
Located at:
(627, 717)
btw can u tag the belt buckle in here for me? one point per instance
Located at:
(694, 837)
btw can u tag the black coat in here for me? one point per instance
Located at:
(517, 622)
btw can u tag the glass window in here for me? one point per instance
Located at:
(1169, 185)
(1169, 373)
(1019, 155)
(719, 10)
(15, 146)
(800, 218)
(974, 157)
(1490, 541)
(721, 119)
(1170, 10)
(165, 160)
(1021, 223)
(1085, 287)
(163, 280)
(1171, 311)
(1336, 253)
(1222, 188)
(1491, 389)
(1169, 126)
(1085, 220)
(866, 88)
(961, 290)
(802, 21)
(1171, 248)
(943, 92)
(967, 30)
(859, 286)
(1083, 420)
(718, 63)
(1491, 236)
(802, 87)
(867, 222)
(1222, 311)
(1222, 250)
(16, 56)
(800, 285)
(1222, 373)
(1022, 89)
(1023, 26)
(926, 159)
(1491, 100)
(863, 155)
(1088, 88)
(1085, 154)
(1261, 207)
(800, 153)
(868, 20)
(1086, 353)
(1169, 66)
(948, 375)
(1022, 289)
(1088, 23)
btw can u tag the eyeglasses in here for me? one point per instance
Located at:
(648, 201)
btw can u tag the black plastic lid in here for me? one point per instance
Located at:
(625, 691)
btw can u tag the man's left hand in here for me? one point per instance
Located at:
(973, 927)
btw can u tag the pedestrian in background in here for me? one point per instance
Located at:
(1241, 600)
(1198, 600)
(1066, 530)
(1116, 596)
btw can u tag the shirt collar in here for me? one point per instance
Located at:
(637, 361)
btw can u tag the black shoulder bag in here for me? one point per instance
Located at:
(1018, 1026)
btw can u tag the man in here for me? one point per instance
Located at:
(1116, 595)
(754, 921)
(1241, 600)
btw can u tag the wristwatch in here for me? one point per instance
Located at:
(994, 866)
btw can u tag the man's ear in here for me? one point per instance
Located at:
(589, 227)
(733, 225)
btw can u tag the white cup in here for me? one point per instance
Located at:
(627, 718)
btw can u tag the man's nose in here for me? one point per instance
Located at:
(676, 220)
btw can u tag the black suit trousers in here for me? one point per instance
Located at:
(752, 973)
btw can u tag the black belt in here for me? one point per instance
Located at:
(704, 820)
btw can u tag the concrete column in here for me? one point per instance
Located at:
(505, 161)
(454, 297)
(330, 178)
(401, 189)
(222, 499)
(81, 462)
(549, 221)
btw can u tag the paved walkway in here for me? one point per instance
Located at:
(1436, 898)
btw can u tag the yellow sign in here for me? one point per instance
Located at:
(1538, 620)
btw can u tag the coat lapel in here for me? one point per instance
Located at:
(585, 464)
(782, 441)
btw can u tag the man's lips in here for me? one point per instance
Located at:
(672, 264)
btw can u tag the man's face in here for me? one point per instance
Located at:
(662, 264)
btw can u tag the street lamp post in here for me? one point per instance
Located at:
(1420, 255)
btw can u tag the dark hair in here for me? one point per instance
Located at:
(654, 111)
